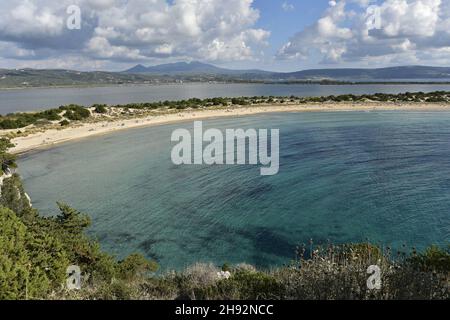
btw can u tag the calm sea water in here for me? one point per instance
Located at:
(344, 177)
(38, 99)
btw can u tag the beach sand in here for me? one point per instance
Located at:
(52, 137)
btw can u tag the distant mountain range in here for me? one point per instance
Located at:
(191, 68)
(393, 73)
(201, 72)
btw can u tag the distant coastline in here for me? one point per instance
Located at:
(100, 85)
(198, 72)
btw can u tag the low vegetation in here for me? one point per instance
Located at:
(7, 160)
(79, 113)
(35, 251)
(330, 272)
(100, 108)
(64, 123)
(75, 112)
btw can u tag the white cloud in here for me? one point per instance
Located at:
(286, 6)
(402, 19)
(407, 30)
(164, 49)
(102, 49)
(132, 30)
(101, 4)
(116, 32)
(325, 35)
(27, 19)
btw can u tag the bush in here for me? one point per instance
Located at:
(14, 259)
(35, 251)
(13, 196)
(100, 108)
(201, 274)
(31, 263)
(434, 259)
(226, 267)
(7, 160)
(13, 124)
(239, 101)
(117, 290)
(75, 112)
(51, 115)
(243, 285)
(135, 265)
(64, 123)
(325, 272)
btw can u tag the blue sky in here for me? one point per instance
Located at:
(281, 22)
(273, 35)
(297, 15)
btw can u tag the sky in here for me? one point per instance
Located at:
(265, 34)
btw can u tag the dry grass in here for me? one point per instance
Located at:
(319, 273)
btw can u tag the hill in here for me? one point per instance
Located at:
(392, 73)
(201, 72)
(351, 74)
(191, 68)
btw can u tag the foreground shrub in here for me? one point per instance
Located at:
(325, 273)
(433, 259)
(243, 285)
(31, 264)
(135, 266)
(35, 252)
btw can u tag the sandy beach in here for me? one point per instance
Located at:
(51, 137)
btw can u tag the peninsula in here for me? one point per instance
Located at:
(30, 131)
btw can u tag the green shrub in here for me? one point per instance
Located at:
(226, 267)
(51, 115)
(75, 112)
(100, 108)
(243, 285)
(239, 101)
(64, 123)
(31, 262)
(432, 259)
(13, 196)
(136, 265)
(7, 160)
(14, 259)
(117, 290)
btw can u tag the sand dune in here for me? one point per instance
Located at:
(52, 137)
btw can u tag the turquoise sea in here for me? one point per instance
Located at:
(344, 176)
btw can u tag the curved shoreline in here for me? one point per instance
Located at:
(52, 137)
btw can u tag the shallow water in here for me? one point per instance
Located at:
(39, 99)
(344, 176)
